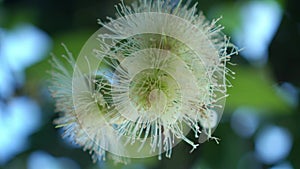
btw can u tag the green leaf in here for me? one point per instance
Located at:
(253, 87)
(230, 13)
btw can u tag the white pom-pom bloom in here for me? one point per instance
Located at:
(144, 80)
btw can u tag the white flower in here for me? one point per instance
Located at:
(143, 80)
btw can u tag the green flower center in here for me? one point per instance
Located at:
(153, 91)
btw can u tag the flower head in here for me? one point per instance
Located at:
(143, 80)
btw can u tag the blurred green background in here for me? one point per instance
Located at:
(259, 128)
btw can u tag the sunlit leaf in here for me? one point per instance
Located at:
(254, 88)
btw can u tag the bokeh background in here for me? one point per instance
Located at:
(260, 125)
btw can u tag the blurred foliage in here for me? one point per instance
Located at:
(72, 22)
(257, 89)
